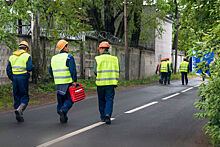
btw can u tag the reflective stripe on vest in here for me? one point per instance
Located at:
(184, 66)
(164, 67)
(107, 70)
(61, 72)
(18, 63)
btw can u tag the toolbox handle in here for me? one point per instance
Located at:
(77, 85)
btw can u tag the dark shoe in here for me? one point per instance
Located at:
(63, 117)
(19, 116)
(182, 83)
(165, 83)
(107, 120)
(168, 82)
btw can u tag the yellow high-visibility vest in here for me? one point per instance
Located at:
(61, 72)
(164, 67)
(18, 63)
(107, 70)
(184, 66)
(170, 67)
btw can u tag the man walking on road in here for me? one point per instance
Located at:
(63, 70)
(170, 70)
(164, 68)
(17, 70)
(106, 68)
(184, 69)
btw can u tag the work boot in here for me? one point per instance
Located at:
(19, 115)
(63, 117)
(168, 82)
(107, 120)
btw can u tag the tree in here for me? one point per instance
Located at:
(202, 18)
(54, 19)
(8, 24)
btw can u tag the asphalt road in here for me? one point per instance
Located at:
(146, 116)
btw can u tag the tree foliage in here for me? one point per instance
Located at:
(202, 20)
(60, 18)
(107, 15)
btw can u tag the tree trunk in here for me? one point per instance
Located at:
(175, 41)
(176, 48)
(137, 23)
(126, 43)
(44, 62)
(109, 17)
(35, 39)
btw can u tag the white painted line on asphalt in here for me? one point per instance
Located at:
(187, 89)
(170, 96)
(141, 107)
(72, 134)
(196, 86)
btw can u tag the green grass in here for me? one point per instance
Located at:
(46, 87)
(147, 80)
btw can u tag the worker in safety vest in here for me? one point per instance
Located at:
(106, 68)
(164, 68)
(18, 69)
(63, 71)
(158, 71)
(170, 70)
(184, 69)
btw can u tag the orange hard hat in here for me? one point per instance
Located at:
(24, 43)
(61, 44)
(163, 59)
(103, 44)
(185, 58)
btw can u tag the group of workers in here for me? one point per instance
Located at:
(63, 71)
(165, 69)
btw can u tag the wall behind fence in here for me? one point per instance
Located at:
(142, 62)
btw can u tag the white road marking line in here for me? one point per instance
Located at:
(141, 107)
(187, 89)
(170, 96)
(196, 86)
(72, 134)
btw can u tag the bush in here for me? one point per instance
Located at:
(209, 102)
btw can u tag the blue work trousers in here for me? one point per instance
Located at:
(64, 102)
(20, 90)
(164, 77)
(169, 76)
(184, 74)
(106, 99)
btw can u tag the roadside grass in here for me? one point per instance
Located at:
(48, 86)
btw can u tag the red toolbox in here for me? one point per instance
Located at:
(77, 93)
